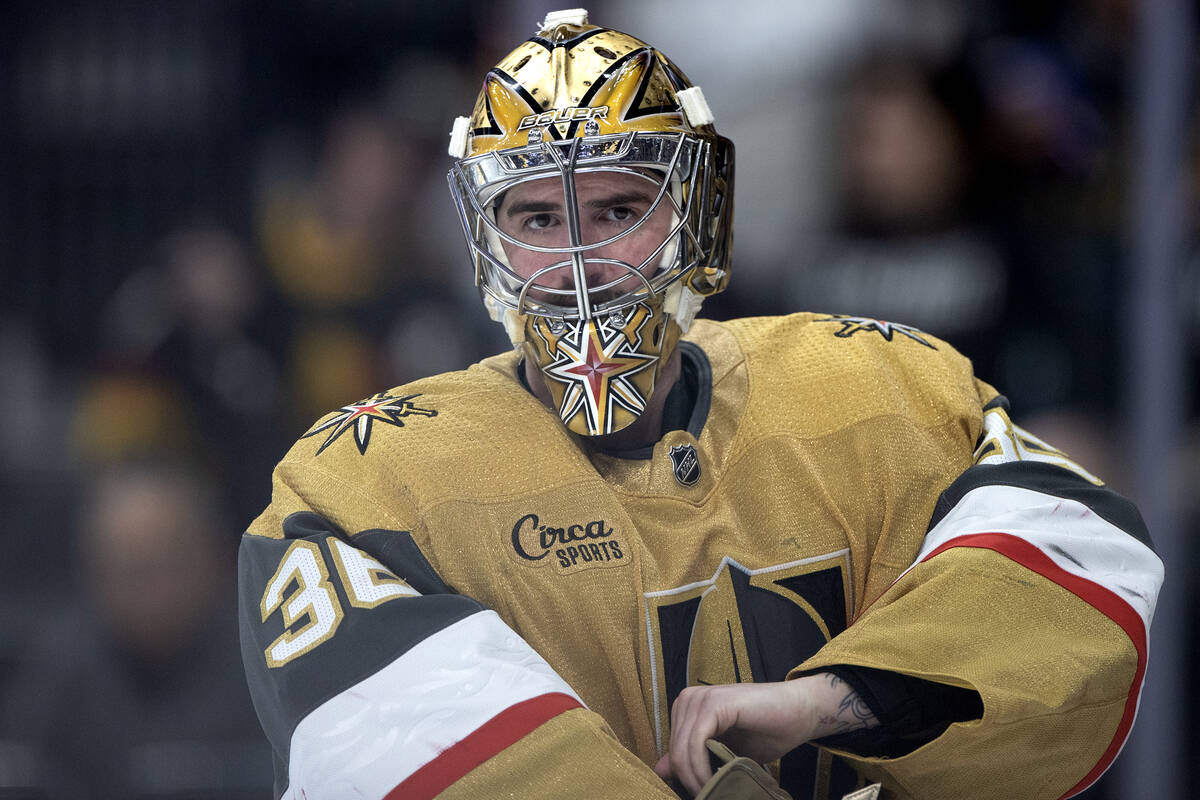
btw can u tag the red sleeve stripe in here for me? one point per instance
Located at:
(1100, 598)
(487, 740)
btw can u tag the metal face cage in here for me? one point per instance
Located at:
(680, 168)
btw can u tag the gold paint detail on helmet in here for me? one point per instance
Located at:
(573, 69)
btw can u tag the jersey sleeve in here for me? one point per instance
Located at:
(1034, 585)
(373, 679)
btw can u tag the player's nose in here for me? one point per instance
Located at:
(604, 266)
(600, 266)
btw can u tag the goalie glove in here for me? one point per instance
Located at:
(741, 778)
(738, 778)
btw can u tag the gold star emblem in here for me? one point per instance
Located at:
(596, 363)
(359, 417)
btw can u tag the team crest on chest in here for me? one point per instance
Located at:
(745, 625)
(853, 325)
(685, 463)
(359, 418)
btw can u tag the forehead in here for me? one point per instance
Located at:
(587, 184)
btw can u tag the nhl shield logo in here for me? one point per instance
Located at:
(686, 464)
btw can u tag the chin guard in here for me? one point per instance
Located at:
(601, 372)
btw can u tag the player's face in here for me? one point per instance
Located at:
(609, 203)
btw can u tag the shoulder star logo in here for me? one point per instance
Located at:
(597, 371)
(852, 325)
(360, 416)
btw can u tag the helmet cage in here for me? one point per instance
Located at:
(686, 164)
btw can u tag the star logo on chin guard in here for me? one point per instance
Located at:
(360, 416)
(853, 325)
(596, 363)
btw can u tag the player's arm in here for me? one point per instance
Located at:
(762, 721)
(1033, 587)
(1023, 619)
(372, 679)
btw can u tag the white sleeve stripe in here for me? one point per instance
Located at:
(1067, 543)
(1100, 598)
(371, 737)
(1069, 533)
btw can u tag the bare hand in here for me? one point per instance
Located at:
(762, 721)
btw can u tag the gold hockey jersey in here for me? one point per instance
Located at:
(450, 595)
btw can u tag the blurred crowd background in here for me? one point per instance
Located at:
(221, 219)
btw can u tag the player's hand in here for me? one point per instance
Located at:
(762, 721)
(759, 720)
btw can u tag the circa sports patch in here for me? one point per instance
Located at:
(853, 325)
(572, 545)
(360, 416)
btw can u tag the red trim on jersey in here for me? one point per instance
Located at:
(481, 744)
(1103, 600)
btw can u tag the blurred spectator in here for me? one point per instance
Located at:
(362, 244)
(118, 117)
(189, 357)
(915, 243)
(909, 245)
(1055, 79)
(135, 690)
(326, 234)
(773, 73)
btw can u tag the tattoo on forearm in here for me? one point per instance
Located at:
(853, 714)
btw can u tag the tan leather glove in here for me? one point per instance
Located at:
(741, 778)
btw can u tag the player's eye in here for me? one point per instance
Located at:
(540, 222)
(620, 214)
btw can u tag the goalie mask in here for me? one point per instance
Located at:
(597, 202)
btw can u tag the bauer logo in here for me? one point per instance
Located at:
(570, 547)
(577, 114)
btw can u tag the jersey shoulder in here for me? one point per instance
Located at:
(416, 417)
(460, 434)
(817, 373)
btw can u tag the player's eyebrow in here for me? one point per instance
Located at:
(608, 201)
(624, 199)
(530, 207)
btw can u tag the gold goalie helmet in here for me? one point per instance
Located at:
(597, 202)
